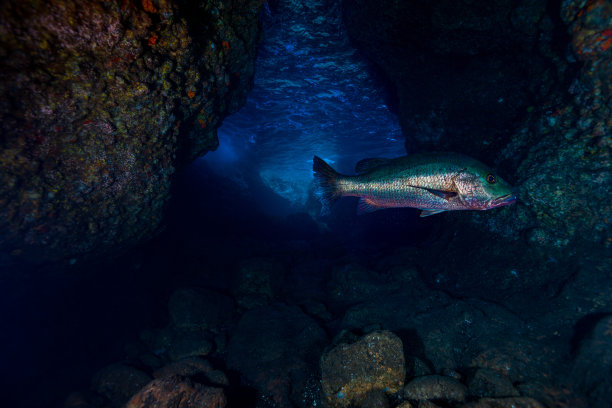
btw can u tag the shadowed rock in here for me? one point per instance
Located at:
(275, 348)
(489, 383)
(434, 387)
(119, 382)
(514, 402)
(349, 372)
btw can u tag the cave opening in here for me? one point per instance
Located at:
(313, 94)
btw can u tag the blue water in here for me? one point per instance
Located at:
(314, 94)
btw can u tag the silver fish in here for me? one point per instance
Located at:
(431, 182)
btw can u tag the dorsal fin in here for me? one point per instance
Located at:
(365, 165)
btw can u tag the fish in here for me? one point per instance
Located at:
(431, 182)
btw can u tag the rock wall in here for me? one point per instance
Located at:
(524, 86)
(101, 102)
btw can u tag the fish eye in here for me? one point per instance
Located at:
(491, 179)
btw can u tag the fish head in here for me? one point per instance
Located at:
(480, 188)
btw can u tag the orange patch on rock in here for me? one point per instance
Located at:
(190, 94)
(148, 6)
(153, 40)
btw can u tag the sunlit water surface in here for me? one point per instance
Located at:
(314, 94)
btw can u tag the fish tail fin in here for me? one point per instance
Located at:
(326, 179)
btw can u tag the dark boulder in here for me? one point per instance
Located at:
(276, 349)
(177, 391)
(352, 374)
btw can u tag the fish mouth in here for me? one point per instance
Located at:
(507, 199)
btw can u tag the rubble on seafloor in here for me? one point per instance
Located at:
(413, 347)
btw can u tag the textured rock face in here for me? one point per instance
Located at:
(349, 372)
(518, 402)
(435, 387)
(495, 80)
(593, 362)
(177, 391)
(464, 70)
(489, 383)
(101, 102)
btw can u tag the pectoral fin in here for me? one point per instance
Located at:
(447, 195)
(427, 213)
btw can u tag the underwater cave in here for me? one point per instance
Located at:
(316, 203)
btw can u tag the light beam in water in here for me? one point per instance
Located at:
(313, 94)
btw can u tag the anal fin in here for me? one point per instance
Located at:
(366, 206)
(428, 212)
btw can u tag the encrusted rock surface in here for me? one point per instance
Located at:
(101, 102)
(349, 372)
(176, 391)
(489, 383)
(514, 402)
(190, 367)
(434, 387)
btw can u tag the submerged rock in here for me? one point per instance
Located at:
(175, 344)
(350, 372)
(257, 281)
(118, 382)
(189, 344)
(435, 387)
(77, 400)
(354, 283)
(101, 102)
(593, 362)
(170, 392)
(489, 383)
(428, 404)
(513, 402)
(196, 308)
(275, 348)
(190, 367)
(375, 399)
